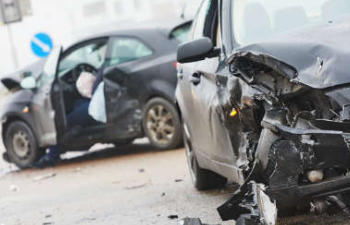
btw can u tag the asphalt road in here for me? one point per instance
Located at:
(133, 185)
(130, 185)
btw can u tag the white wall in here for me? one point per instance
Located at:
(66, 20)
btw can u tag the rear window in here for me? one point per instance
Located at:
(181, 33)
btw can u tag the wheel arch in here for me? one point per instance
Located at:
(160, 89)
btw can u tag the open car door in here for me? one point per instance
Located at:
(124, 115)
(48, 104)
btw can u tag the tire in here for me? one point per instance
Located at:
(21, 145)
(161, 124)
(202, 179)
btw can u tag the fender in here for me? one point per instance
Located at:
(161, 88)
(13, 110)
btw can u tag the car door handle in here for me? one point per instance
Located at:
(195, 78)
(180, 76)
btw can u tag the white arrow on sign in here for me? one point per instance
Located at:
(46, 48)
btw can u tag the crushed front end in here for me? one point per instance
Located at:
(295, 138)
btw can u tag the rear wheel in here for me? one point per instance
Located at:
(21, 145)
(202, 179)
(161, 123)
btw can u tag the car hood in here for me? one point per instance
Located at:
(319, 56)
(13, 80)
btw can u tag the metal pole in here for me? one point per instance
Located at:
(13, 48)
(10, 36)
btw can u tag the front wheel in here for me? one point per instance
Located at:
(21, 145)
(161, 123)
(202, 179)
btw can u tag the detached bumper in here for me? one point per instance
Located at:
(291, 196)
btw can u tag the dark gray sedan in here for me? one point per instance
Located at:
(139, 68)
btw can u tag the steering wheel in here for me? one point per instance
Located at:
(82, 67)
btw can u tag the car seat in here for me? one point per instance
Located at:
(124, 53)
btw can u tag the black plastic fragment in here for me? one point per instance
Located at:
(247, 207)
(173, 217)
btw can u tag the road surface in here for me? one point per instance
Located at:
(133, 185)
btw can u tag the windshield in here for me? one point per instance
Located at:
(92, 53)
(50, 68)
(256, 20)
(181, 33)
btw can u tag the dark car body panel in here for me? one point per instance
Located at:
(14, 111)
(12, 81)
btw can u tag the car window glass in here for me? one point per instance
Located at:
(49, 70)
(127, 49)
(92, 53)
(258, 20)
(198, 29)
(218, 36)
(181, 33)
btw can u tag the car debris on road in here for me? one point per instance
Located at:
(191, 221)
(14, 188)
(250, 205)
(44, 177)
(173, 217)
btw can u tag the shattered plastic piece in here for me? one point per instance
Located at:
(190, 221)
(136, 186)
(173, 217)
(44, 177)
(250, 206)
(14, 188)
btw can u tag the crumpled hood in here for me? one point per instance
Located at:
(320, 55)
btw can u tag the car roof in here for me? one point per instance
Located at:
(138, 30)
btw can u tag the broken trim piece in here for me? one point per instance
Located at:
(250, 205)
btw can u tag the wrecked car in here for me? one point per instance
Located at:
(139, 74)
(263, 90)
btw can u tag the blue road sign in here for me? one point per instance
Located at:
(41, 45)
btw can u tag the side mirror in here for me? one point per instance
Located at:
(26, 74)
(28, 83)
(196, 50)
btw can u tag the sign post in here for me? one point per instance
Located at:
(11, 13)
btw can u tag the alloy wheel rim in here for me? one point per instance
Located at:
(21, 144)
(160, 124)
